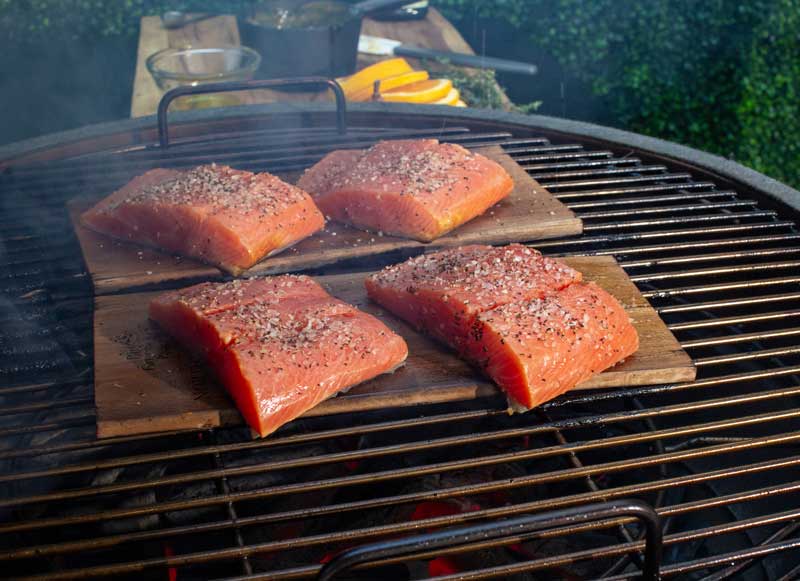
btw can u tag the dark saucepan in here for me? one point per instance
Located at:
(311, 37)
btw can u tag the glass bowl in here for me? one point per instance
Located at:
(175, 67)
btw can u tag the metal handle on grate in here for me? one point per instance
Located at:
(172, 94)
(516, 526)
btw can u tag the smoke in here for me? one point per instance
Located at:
(68, 83)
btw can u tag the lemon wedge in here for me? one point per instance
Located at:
(364, 79)
(452, 97)
(390, 83)
(420, 92)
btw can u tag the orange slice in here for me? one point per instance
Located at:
(420, 92)
(364, 78)
(451, 98)
(389, 83)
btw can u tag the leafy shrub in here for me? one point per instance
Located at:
(769, 108)
(35, 20)
(720, 75)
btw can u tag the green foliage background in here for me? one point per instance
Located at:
(721, 75)
(28, 21)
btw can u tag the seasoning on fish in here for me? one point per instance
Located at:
(418, 189)
(280, 345)
(442, 293)
(529, 322)
(223, 216)
(538, 349)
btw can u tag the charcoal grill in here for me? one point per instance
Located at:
(714, 462)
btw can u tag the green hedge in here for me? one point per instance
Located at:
(769, 107)
(24, 21)
(720, 75)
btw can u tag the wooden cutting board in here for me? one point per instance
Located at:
(529, 213)
(144, 382)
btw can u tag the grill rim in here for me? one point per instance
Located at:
(477, 126)
(143, 130)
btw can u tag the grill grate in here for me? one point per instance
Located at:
(717, 458)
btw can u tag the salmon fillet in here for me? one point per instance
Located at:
(442, 293)
(527, 321)
(536, 350)
(279, 345)
(226, 217)
(418, 189)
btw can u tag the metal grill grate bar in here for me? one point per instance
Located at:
(543, 178)
(551, 504)
(667, 225)
(380, 531)
(417, 471)
(682, 196)
(667, 210)
(619, 180)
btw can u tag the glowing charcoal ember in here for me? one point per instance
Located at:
(220, 215)
(418, 189)
(279, 345)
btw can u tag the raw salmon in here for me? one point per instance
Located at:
(223, 216)
(418, 189)
(442, 293)
(279, 345)
(536, 350)
(529, 322)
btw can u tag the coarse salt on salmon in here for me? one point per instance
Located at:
(223, 216)
(418, 189)
(528, 321)
(279, 345)
(441, 293)
(538, 349)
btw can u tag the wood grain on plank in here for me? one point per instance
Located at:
(146, 94)
(529, 213)
(144, 381)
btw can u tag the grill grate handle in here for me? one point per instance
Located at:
(171, 95)
(516, 526)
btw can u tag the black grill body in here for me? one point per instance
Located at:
(715, 248)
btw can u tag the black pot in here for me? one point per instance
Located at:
(327, 50)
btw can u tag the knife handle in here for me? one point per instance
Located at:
(467, 60)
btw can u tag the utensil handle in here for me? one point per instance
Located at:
(367, 6)
(200, 18)
(171, 95)
(468, 60)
